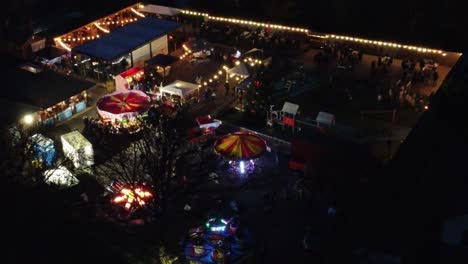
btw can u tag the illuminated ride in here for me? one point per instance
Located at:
(219, 240)
(129, 199)
(123, 105)
(241, 149)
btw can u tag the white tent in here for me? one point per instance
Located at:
(240, 70)
(179, 88)
(290, 108)
(325, 118)
(60, 176)
(78, 149)
(160, 10)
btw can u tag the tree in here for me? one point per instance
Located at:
(19, 164)
(150, 159)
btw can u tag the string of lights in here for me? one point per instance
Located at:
(323, 36)
(118, 21)
(136, 12)
(386, 44)
(63, 45)
(72, 39)
(245, 22)
(101, 28)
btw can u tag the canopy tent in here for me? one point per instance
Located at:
(160, 10)
(290, 108)
(123, 104)
(325, 118)
(240, 69)
(126, 39)
(43, 148)
(179, 88)
(240, 146)
(78, 149)
(60, 176)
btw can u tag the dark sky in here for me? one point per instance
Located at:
(438, 24)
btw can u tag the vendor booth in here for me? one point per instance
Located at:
(161, 63)
(78, 149)
(61, 177)
(178, 91)
(43, 149)
(129, 79)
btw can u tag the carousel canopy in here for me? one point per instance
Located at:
(126, 39)
(122, 104)
(240, 146)
(240, 70)
(179, 88)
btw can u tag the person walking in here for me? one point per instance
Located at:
(226, 87)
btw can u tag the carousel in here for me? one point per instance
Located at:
(131, 201)
(241, 149)
(219, 240)
(121, 109)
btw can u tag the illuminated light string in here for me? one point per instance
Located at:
(245, 22)
(136, 12)
(101, 28)
(70, 39)
(117, 21)
(295, 29)
(386, 44)
(63, 45)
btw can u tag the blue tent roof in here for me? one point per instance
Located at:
(126, 39)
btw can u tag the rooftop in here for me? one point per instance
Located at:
(40, 89)
(126, 39)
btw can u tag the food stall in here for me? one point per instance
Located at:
(162, 63)
(178, 91)
(129, 79)
(78, 149)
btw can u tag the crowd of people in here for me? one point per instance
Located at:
(95, 127)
